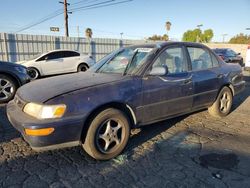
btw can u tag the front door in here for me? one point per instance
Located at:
(171, 94)
(52, 63)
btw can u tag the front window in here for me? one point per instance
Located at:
(128, 60)
(173, 59)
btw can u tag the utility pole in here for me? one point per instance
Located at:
(223, 37)
(77, 29)
(198, 38)
(121, 35)
(66, 17)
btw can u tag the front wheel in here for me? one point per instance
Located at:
(8, 88)
(222, 105)
(107, 135)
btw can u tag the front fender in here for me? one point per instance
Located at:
(84, 101)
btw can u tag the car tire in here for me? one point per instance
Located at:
(8, 87)
(33, 73)
(222, 106)
(107, 135)
(82, 67)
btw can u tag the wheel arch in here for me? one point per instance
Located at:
(33, 67)
(82, 63)
(230, 86)
(117, 105)
(14, 77)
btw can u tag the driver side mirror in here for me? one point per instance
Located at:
(158, 71)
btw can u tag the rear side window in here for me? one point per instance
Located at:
(200, 58)
(70, 54)
(172, 58)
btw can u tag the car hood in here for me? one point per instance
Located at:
(4, 64)
(21, 62)
(40, 91)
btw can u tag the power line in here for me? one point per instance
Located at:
(90, 7)
(60, 11)
(39, 22)
(83, 2)
(93, 5)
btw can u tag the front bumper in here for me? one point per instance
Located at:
(67, 130)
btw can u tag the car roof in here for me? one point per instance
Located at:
(166, 43)
(61, 50)
(221, 49)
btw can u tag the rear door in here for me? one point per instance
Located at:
(52, 63)
(206, 76)
(70, 61)
(170, 94)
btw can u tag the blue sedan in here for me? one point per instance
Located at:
(131, 87)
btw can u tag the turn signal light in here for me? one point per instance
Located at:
(39, 132)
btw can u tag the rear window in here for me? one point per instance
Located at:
(220, 51)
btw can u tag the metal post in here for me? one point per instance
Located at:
(5, 47)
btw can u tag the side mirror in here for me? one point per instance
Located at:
(238, 53)
(158, 71)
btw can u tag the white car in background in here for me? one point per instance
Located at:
(57, 62)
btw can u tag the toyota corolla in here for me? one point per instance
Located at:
(132, 87)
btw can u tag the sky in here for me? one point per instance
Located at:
(136, 19)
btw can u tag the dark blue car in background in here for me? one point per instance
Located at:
(134, 86)
(12, 76)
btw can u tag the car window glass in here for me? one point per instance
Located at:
(173, 59)
(119, 63)
(54, 55)
(200, 58)
(66, 54)
(43, 58)
(215, 60)
(230, 53)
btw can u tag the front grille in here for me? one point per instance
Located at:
(19, 102)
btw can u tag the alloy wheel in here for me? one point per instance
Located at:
(6, 89)
(110, 135)
(225, 102)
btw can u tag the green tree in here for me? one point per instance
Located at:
(197, 35)
(207, 35)
(240, 39)
(159, 37)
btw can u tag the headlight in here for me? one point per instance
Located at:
(44, 111)
(21, 69)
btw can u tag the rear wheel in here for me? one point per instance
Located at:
(107, 135)
(8, 88)
(33, 73)
(222, 105)
(82, 67)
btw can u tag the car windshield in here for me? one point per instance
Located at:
(128, 60)
(97, 65)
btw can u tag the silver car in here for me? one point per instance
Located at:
(57, 62)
